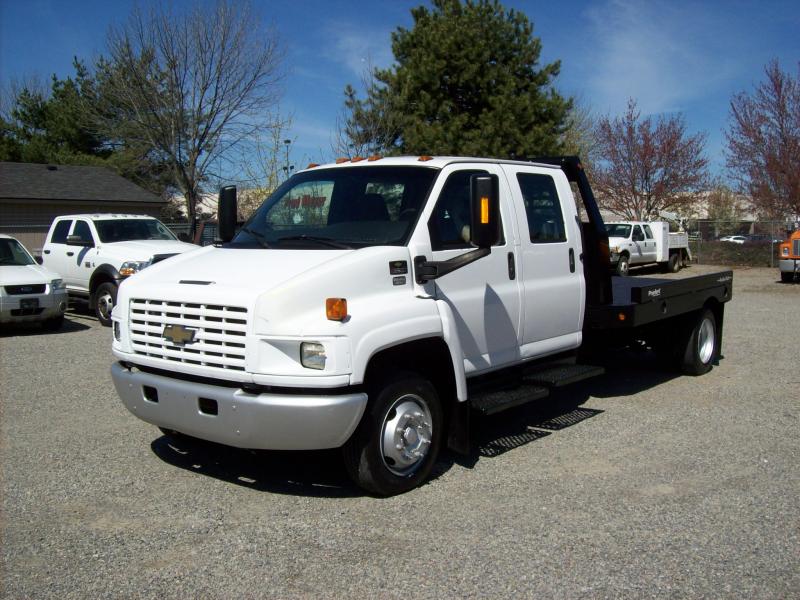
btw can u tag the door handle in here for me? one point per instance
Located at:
(47, 251)
(512, 270)
(571, 260)
(70, 253)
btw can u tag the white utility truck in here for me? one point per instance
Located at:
(95, 252)
(375, 305)
(637, 243)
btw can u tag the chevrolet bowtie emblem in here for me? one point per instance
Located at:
(178, 334)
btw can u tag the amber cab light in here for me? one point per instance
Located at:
(336, 309)
(341, 160)
(425, 158)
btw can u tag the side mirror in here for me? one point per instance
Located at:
(484, 210)
(76, 240)
(39, 260)
(226, 211)
(184, 237)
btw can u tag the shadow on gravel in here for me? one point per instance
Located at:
(322, 474)
(25, 329)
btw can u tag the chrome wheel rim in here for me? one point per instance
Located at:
(406, 435)
(705, 341)
(623, 267)
(105, 304)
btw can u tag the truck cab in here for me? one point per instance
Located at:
(95, 252)
(365, 303)
(789, 261)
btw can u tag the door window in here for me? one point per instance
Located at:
(60, 232)
(638, 236)
(449, 226)
(82, 231)
(648, 232)
(542, 207)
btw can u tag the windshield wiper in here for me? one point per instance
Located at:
(260, 238)
(313, 238)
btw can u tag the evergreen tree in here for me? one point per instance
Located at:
(466, 81)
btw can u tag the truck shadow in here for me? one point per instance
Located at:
(322, 474)
(26, 329)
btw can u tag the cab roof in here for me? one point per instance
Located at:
(103, 216)
(433, 162)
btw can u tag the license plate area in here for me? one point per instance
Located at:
(29, 303)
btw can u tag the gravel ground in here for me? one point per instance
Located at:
(637, 484)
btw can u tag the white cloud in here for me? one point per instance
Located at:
(358, 51)
(664, 55)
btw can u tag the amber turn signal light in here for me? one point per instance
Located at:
(336, 309)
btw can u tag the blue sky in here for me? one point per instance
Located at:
(671, 56)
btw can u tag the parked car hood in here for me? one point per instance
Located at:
(25, 274)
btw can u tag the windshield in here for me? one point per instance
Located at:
(341, 208)
(123, 230)
(14, 253)
(619, 230)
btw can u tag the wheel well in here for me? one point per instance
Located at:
(624, 253)
(98, 277)
(430, 357)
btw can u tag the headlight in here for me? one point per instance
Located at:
(312, 355)
(615, 249)
(129, 267)
(57, 284)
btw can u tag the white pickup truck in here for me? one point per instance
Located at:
(637, 243)
(93, 253)
(375, 305)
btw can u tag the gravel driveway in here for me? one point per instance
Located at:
(637, 484)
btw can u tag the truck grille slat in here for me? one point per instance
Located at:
(219, 340)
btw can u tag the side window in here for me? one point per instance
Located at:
(543, 208)
(82, 230)
(60, 232)
(648, 232)
(638, 236)
(450, 222)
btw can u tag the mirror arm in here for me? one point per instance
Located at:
(426, 270)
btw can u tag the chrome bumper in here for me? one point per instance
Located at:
(244, 420)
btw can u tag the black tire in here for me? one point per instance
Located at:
(787, 277)
(623, 265)
(105, 298)
(674, 263)
(408, 402)
(53, 324)
(701, 344)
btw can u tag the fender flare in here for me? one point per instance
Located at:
(106, 271)
(453, 342)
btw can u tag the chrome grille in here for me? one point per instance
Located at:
(219, 339)
(795, 247)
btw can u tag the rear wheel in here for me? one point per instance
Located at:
(396, 444)
(674, 263)
(623, 265)
(104, 300)
(701, 346)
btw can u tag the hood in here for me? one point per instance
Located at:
(145, 249)
(27, 274)
(218, 274)
(616, 241)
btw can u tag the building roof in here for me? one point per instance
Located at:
(69, 182)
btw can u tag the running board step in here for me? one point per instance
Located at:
(492, 402)
(560, 375)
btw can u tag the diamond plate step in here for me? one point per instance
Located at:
(492, 402)
(561, 375)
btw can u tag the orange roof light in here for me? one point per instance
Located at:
(341, 160)
(312, 165)
(374, 157)
(336, 309)
(357, 159)
(425, 158)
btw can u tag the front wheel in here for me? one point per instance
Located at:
(787, 276)
(396, 444)
(104, 300)
(623, 265)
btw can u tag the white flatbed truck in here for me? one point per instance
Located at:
(378, 305)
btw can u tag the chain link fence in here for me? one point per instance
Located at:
(737, 243)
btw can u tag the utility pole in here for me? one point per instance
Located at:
(287, 168)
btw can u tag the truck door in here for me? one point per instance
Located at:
(650, 248)
(638, 255)
(550, 269)
(485, 295)
(79, 258)
(54, 253)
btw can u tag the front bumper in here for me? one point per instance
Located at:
(789, 265)
(244, 420)
(50, 305)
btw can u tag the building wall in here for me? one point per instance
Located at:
(29, 220)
